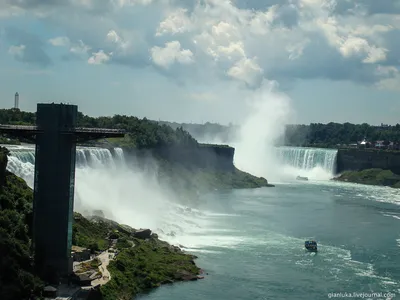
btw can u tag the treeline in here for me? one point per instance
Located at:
(315, 134)
(333, 134)
(141, 133)
(144, 133)
(207, 130)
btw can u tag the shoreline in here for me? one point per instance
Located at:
(138, 260)
(373, 177)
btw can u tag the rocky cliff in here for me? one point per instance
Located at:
(216, 157)
(362, 159)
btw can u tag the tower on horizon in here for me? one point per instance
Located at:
(16, 100)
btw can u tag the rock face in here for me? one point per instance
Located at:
(185, 276)
(3, 164)
(217, 157)
(362, 159)
(142, 234)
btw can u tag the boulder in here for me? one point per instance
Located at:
(185, 276)
(142, 234)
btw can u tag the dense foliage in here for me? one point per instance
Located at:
(315, 134)
(141, 133)
(17, 279)
(147, 265)
(91, 235)
(17, 117)
(371, 177)
(139, 265)
(332, 134)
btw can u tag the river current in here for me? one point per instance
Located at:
(251, 242)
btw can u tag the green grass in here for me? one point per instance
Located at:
(91, 235)
(371, 177)
(140, 264)
(147, 265)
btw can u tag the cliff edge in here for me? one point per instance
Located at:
(363, 159)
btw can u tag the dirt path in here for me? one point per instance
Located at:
(105, 260)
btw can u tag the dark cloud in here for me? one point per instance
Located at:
(288, 16)
(33, 52)
(371, 6)
(319, 60)
(259, 5)
(392, 42)
(100, 6)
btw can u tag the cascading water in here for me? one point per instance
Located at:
(316, 163)
(104, 182)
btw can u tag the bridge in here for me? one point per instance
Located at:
(55, 136)
(80, 134)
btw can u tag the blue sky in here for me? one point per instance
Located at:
(198, 61)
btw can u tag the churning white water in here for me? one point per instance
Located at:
(105, 182)
(315, 163)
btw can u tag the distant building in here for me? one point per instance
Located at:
(16, 101)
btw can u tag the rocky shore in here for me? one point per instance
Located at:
(141, 262)
(379, 177)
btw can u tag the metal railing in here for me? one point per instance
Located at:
(71, 130)
(19, 127)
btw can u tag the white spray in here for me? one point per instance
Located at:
(255, 147)
(129, 196)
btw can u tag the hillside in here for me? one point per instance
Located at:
(143, 261)
(17, 278)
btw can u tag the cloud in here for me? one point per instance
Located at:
(99, 58)
(59, 41)
(26, 47)
(171, 53)
(208, 40)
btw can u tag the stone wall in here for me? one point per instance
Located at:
(357, 159)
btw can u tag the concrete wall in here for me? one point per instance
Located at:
(358, 159)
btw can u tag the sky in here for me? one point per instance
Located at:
(198, 61)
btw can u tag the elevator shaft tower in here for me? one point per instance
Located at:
(55, 135)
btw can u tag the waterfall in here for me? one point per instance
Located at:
(22, 160)
(307, 160)
(128, 195)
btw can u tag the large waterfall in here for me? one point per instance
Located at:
(103, 181)
(22, 160)
(313, 162)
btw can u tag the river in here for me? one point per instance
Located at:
(251, 242)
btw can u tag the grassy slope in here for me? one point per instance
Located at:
(146, 265)
(17, 278)
(137, 269)
(371, 177)
(207, 179)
